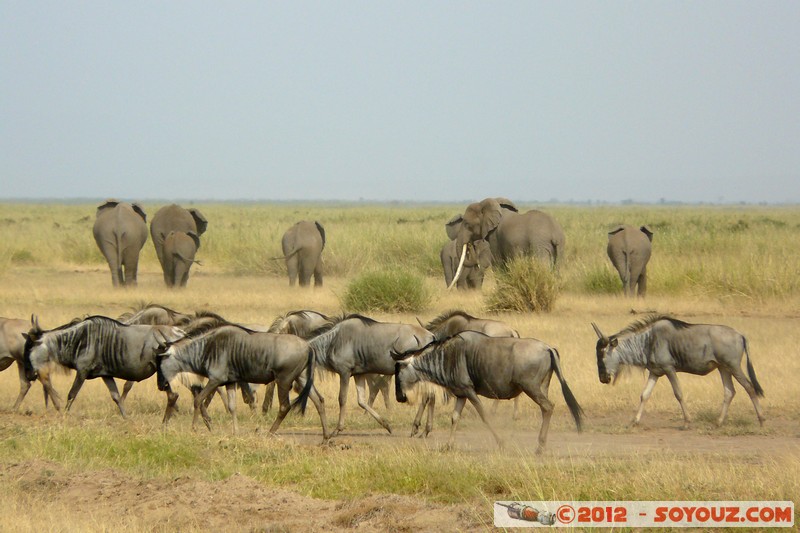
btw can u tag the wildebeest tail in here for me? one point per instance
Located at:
(302, 399)
(572, 403)
(751, 372)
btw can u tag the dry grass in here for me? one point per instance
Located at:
(62, 283)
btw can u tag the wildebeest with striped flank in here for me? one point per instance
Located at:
(665, 346)
(95, 347)
(473, 364)
(232, 354)
(357, 346)
(12, 350)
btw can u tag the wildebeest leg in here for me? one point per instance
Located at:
(112, 388)
(537, 395)
(361, 394)
(49, 390)
(426, 399)
(125, 390)
(751, 391)
(476, 403)
(249, 395)
(269, 392)
(319, 403)
(515, 416)
(283, 405)
(676, 389)
(24, 386)
(728, 394)
(172, 398)
(454, 419)
(231, 401)
(429, 420)
(80, 377)
(344, 383)
(199, 400)
(648, 390)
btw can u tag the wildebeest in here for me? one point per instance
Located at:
(155, 315)
(12, 349)
(473, 364)
(231, 354)
(95, 347)
(446, 325)
(665, 346)
(357, 346)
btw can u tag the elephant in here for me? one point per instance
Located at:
(174, 218)
(120, 231)
(179, 250)
(302, 246)
(510, 233)
(629, 250)
(478, 259)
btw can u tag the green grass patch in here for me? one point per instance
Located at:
(387, 291)
(524, 285)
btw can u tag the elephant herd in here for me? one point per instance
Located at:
(489, 232)
(493, 231)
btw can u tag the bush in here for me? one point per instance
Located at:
(388, 291)
(523, 285)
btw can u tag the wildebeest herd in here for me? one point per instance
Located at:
(460, 355)
(463, 356)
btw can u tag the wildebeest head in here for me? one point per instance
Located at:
(36, 354)
(405, 377)
(607, 365)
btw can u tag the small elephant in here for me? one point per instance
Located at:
(180, 248)
(478, 259)
(302, 246)
(120, 231)
(629, 251)
(174, 218)
(510, 233)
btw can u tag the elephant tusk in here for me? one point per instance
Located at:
(460, 266)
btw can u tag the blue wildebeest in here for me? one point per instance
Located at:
(95, 347)
(306, 324)
(665, 346)
(231, 354)
(357, 346)
(447, 325)
(12, 350)
(473, 364)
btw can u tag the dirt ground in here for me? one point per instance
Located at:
(244, 504)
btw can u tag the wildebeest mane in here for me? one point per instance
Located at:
(275, 326)
(447, 315)
(649, 320)
(144, 307)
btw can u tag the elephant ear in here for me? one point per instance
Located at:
(616, 230)
(199, 221)
(139, 210)
(491, 215)
(505, 203)
(195, 237)
(647, 231)
(321, 232)
(108, 204)
(452, 226)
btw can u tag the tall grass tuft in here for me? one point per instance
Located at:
(523, 285)
(601, 280)
(389, 291)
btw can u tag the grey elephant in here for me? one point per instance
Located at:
(180, 248)
(174, 218)
(120, 231)
(477, 260)
(510, 233)
(302, 246)
(629, 249)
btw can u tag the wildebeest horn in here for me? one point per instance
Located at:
(599, 333)
(35, 322)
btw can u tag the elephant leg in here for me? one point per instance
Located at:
(306, 269)
(291, 267)
(318, 273)
(130, 260)
(642, 282)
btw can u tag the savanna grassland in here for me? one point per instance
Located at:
(92, 470)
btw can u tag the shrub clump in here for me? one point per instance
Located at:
(523, 285)
(602, 280)
(388, 291)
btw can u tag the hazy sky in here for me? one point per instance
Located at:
(401, 100)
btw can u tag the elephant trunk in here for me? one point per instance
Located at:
(460, 266)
